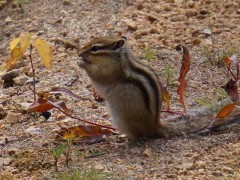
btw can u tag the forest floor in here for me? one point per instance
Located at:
(210, 29)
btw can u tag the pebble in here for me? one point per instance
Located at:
(200, 164)
(5, 161)
(33, 130)
(152, 17)
(66, 2)
(132, 25)
(10, 75)
(94, 105)
(21, 80)
(147, 152)
(185, 165)
(13, 118)
(8, 20)
(6, 126)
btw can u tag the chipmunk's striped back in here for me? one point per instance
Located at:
(132, 89)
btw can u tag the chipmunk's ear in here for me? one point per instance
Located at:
(119, 43)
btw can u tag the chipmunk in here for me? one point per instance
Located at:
(133, 91)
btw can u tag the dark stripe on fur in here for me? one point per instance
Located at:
(143, 90)
(148, 77)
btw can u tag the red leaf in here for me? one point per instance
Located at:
(228, 61)
(226, 110)
(183, 72)
(41, 105)
(232, 90)
(83, 133)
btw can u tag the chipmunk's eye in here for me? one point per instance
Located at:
(95, 48)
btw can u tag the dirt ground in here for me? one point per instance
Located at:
(210, 29)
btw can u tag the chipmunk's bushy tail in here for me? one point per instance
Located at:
(199, 122)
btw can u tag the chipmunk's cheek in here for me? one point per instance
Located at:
(82, 62)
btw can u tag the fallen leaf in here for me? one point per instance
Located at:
(232, 90)
(226, 110)
(83, 133)
(41, 105)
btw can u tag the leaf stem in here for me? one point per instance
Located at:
(71, 116)
(33, 74)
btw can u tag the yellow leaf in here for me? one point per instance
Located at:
(44, 51)
(25, 40)
(166, 97)
(69, 134)
(14, 43)
(16, 54)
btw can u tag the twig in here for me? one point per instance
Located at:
(173, 112)
(71, 116)
(236, 79)
(95, 155)
(33, 71)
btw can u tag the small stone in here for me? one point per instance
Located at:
(33, 130)
(8, 20)
(66, 2)
(191, 13)
(152, 17)
(185, 165)
(21, 80)
(153, 30)
(204, 12)
(30, 81)
(6, 126)
(28, 20)
(130, 24)
(196, 42)
(41, 119)
(23, 107)
(140, 6)
(94, 105)
(191, 4)
(58, 21)
(12, 151)
(10, 75)
(217, 173)
(1, 108)
(200, 164)
(5, 161)
(147, 152)
(226, 169)
(99, 167)
(106, 115)
(13, 118)
(207, 31)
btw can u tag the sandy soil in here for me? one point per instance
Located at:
(210, 29)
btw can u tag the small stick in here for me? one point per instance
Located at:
(33, 71)
(71, 116)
